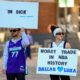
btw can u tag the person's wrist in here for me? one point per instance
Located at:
(22, 30)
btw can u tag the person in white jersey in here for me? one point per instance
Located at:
(58, 42)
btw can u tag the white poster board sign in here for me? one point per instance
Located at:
(57, 61)
(19, 14)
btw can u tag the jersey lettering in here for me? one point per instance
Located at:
(15, 54)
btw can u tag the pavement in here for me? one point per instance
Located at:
(32, 71)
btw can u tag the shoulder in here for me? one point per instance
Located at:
(68, 45)
(6, 44)
(50, 44)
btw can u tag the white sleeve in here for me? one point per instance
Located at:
(31, 40)
(5, 55)
(25, 40)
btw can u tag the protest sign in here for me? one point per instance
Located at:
(19, 14)
(57, 61)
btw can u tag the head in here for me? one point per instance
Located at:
(15, 32)
(57, 32)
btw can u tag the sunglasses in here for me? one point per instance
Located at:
(60, 33)
(14, 30)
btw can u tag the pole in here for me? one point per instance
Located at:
(66, 35)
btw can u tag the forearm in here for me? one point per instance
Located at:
(25, 40)
(5, 56)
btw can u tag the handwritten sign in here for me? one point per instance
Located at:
(19, 14)
(57, 61)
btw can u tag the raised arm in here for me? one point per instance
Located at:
(25, 40)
